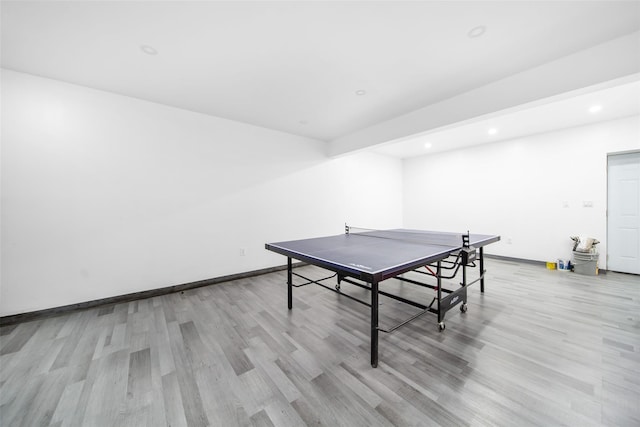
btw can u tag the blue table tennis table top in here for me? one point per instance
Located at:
(380, 254)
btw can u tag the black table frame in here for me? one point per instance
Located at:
(446, 299)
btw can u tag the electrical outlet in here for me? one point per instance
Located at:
(243, 251)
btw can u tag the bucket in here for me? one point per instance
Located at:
(563, 265)
(585, 263)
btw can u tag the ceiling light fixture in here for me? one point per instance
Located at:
(492, 131)
(427, 145)
(595, 109)
(361, 92)
(149, 50)
(476, 32)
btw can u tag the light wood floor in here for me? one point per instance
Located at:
(538, 348)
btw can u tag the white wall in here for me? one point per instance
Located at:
(517, 189)
(104, 195)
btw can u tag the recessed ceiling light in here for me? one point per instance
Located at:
(595, 109)
(477, 31)
(149, 50)
(361, 92)
(492, 131)
(427, 145)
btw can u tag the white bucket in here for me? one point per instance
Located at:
(564, 265)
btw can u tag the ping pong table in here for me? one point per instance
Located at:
(365, 258)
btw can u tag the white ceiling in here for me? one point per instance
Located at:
(608, 104)
(296, 66)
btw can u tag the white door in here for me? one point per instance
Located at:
(623, 225)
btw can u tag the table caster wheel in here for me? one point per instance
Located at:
(463, 308)
(338, 287)
(441, 326)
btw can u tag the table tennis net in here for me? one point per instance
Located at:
(412, 236)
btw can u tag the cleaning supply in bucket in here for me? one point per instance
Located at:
(585, 255)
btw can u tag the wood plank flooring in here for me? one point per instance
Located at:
(539, 348)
